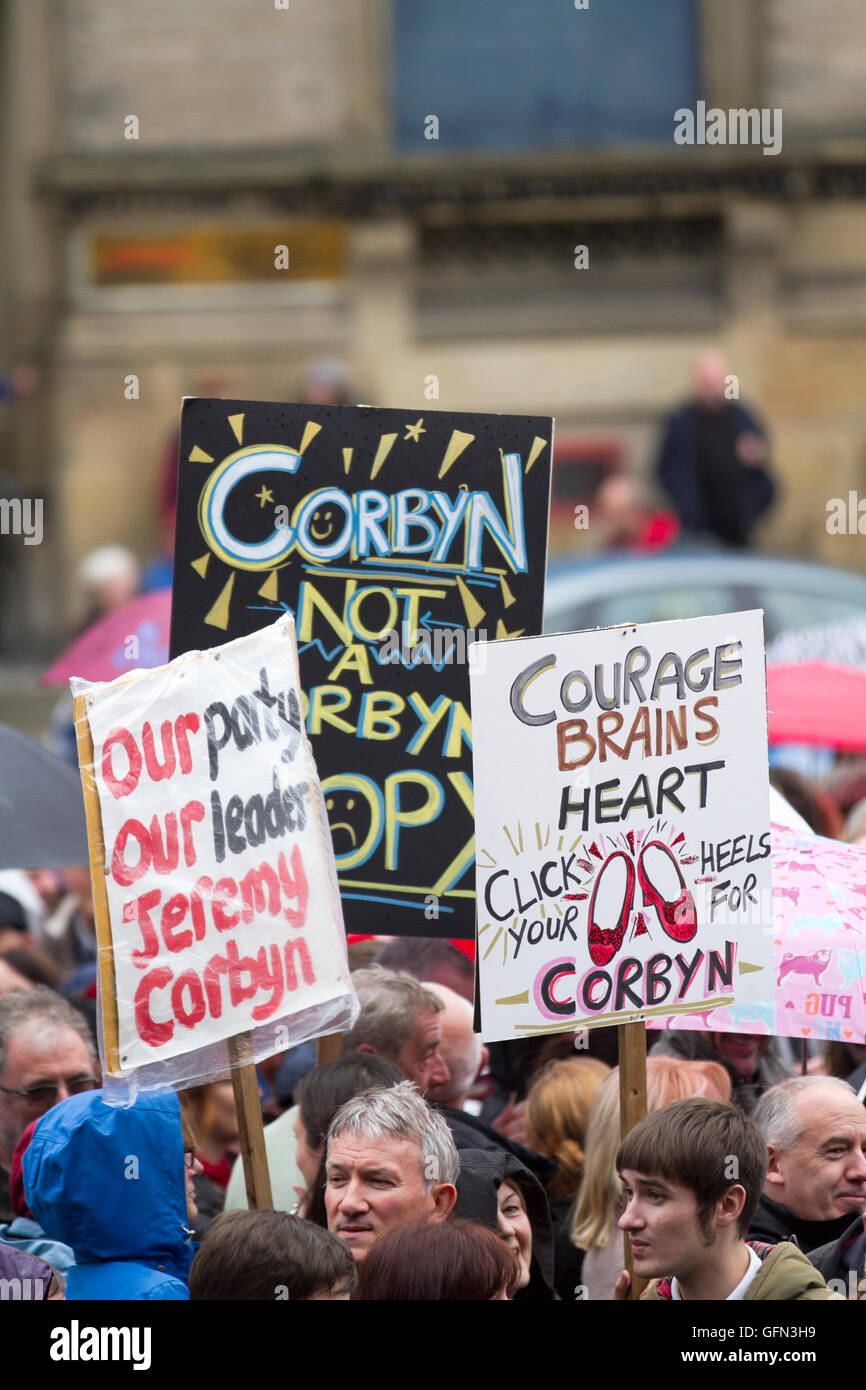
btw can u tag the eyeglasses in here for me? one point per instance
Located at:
(49, 1095)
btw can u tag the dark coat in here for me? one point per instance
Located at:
(482, 1172)
(774, 1223)
(469, 1132)
(837, 1258)
(752, 489)
(857, 1079)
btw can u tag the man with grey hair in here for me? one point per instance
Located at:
(815, 1131)
(400, 1020)
(390, 1161)
(46, 1054)
(403, 1020)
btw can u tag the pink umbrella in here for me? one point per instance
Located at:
(135, 635)
(819, 935)
(814, 702)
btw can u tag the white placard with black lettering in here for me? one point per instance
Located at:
(622, 825)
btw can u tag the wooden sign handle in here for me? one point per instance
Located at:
(98, 871)
(631, 1038)
(250, 1127)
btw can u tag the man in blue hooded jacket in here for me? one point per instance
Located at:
(110, 1183)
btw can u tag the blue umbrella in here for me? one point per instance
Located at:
(42, 824)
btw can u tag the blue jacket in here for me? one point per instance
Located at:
(27, 1236)
(109, 1182)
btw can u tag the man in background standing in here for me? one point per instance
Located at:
(713, 460)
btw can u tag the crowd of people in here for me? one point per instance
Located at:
(421, 1164)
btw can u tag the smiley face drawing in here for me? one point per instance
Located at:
(322, 524)
(356, 813)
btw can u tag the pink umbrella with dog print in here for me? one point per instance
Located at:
(819, 917)
(819, 936)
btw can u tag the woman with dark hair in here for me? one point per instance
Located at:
(319, 1096)
(443, 1261)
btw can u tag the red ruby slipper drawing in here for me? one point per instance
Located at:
(664, 888)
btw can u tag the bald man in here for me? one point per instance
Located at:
(466, 1057)
(462, 1050)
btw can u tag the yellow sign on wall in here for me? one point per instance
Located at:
(220, 254)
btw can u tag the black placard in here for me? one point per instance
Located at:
(393, 537)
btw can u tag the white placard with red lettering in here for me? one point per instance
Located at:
(622, 827)
(221, 886)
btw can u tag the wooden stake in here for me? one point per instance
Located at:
(98, 870)
(631, 1038)
(250, 1127)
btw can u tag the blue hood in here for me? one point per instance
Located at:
(109, 1182)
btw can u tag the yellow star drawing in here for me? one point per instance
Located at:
(265, 495)
(415, 431)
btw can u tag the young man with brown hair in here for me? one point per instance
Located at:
(692, 1174)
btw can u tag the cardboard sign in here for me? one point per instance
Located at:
(622, 816)
(220, 908)
(394, 537)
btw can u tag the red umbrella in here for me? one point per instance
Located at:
(133, 636)
(814, 702)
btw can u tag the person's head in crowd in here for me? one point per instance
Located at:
(742, 1051)
(815, 1131)
(192, 1167)
(400, 1020)
(270, 1255)
(11, 980)
(46, 1054)
(557, 1114)
(496, 1189)
(390, 1160)
(363, 953)
(685, 1211)
(214, 1116)
(514, 1229)
(50, 884)
(320, 1094)
(109, 578)
(599, 1200)
(14, 926)
(453, 1261)
(430, 959)
(326, 382)
(816, 806)
(841, 1058)
(463, 1052)
(33, 966)
(114, 1183)
(709, 373)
